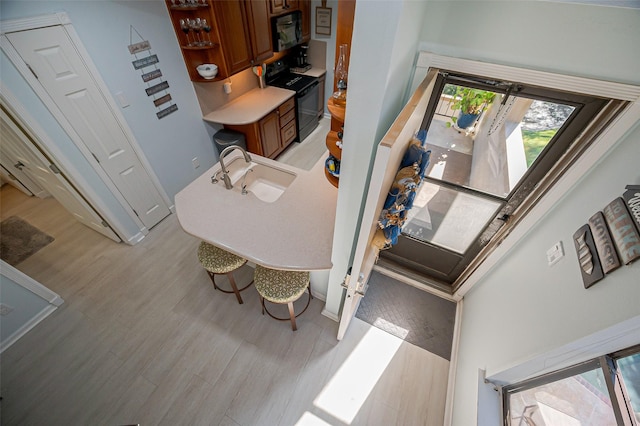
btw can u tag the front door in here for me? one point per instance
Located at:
(482, 166)
(53, 58)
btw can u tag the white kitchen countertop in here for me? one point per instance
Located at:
(250, 107)
(314, 72)
(295, 232)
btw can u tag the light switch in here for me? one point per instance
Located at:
(555, 253)
(122, 100)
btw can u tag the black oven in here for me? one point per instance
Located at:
(307, 95)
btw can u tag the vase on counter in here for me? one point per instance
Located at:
(340, 95)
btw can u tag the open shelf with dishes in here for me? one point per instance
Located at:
(334, 142)
(198, 36)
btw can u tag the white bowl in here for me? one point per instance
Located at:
(207, 71)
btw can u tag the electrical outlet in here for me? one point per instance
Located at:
(5, 309)
(555, 253)
(196, 162)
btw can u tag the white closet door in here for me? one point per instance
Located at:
(37, 167)
(52, 56)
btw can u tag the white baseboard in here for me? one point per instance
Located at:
(26, 327)
(137, 237)
(330, 315)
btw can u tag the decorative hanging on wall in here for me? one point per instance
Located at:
(402, 192)
(611, 238)
(157, 89)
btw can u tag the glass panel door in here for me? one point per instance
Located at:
(491, 142)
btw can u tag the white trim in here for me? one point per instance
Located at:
(330, 315)
(414, 283)
(588, 86)
(612, 339)
(36, 288)
(11, 102)
(60, 18)
(138, 237)
(453, 366)
(30, 284)
(603, 143)
(26, 327)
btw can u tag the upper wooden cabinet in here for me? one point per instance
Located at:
(279, 7)
(245, 32)
(240, 34)
(305, 8)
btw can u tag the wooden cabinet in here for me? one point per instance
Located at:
(305, 8)
(337, 127)
(346, 13)
(240, 35)
(271, 134)
(244, 32)
(278, 7)
(195, 54)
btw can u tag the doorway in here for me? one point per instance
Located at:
(29, 167)
(492, 142)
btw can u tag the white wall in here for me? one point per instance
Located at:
(384, 47)
(331, 44)
(522, 308)
(104, 28)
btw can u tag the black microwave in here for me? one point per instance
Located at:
(286, 31)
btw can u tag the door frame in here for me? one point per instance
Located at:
(29, 145)
(50, 149)
(602, 143)
(62, 19)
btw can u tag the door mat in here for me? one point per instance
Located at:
(414, 315)
(19, 240)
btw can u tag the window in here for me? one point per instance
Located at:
(600, 392)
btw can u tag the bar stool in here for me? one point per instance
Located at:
(282, 287)
(217, 261)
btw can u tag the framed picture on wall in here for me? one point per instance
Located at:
(323, 20)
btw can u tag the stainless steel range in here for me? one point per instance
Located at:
(307, 93)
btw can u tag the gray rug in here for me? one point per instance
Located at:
(413, 315)
(19, 240)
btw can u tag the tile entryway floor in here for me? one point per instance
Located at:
(414, 315)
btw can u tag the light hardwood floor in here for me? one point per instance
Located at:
(144, 338)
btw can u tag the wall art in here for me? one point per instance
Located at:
(623, 230)
(590, 266)
(323, 19)
(632, 198)
(158, 89)
(604, 244)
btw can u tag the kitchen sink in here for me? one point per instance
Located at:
(265, 181)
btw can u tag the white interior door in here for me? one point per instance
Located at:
(13, 170)
(12, 180)
(52, 56)
(388, 157)
(37, 167)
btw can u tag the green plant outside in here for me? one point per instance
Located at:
(468, 100)
(534, 142)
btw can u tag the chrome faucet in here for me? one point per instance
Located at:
(225, 172)
(244, 181)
